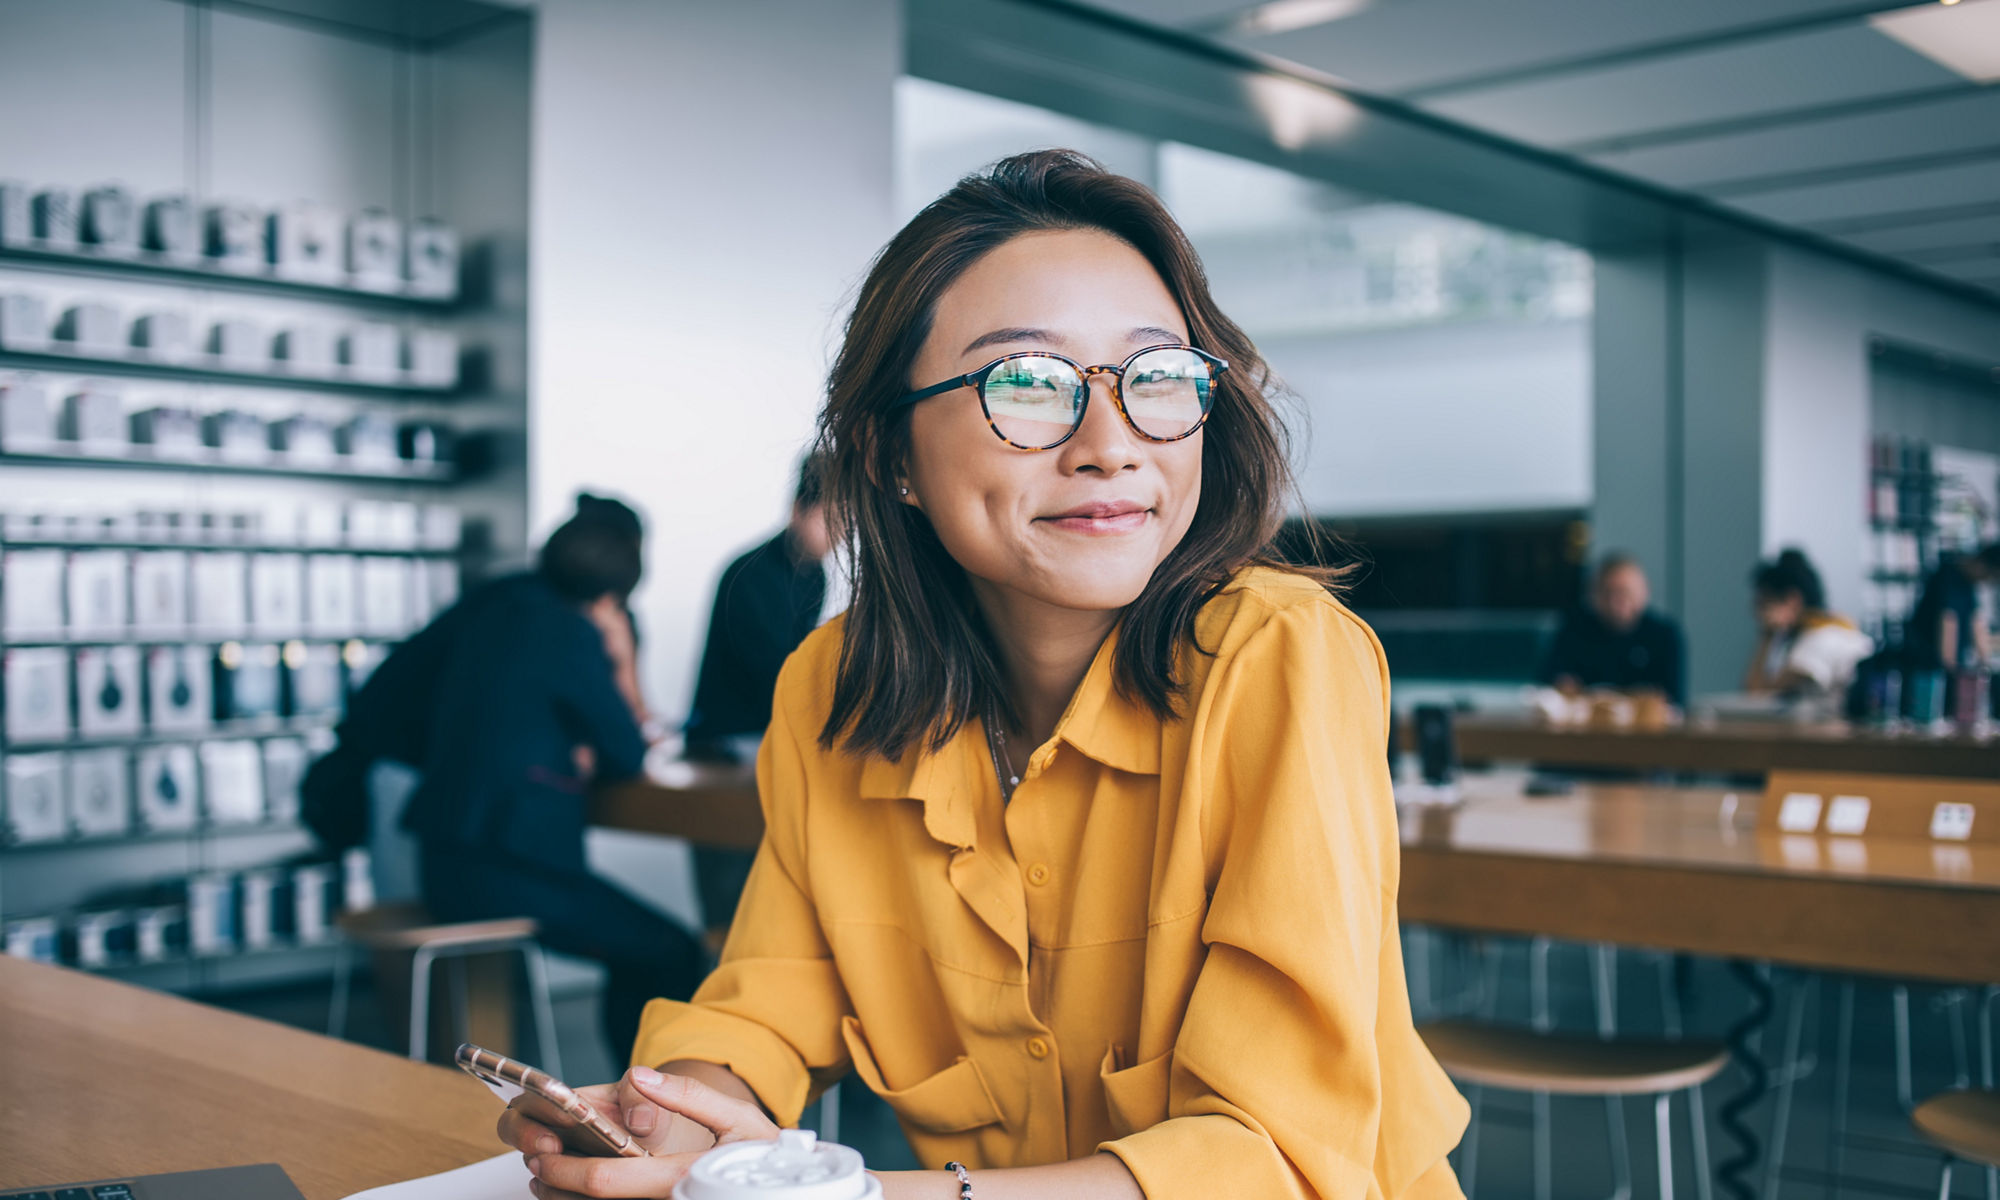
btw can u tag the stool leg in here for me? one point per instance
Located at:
(829, 1114)
(543, 1004)
(1469, 1157)
(1944, 1180)
(420, 1003)
(1621, 1149)
(1905, 1089)
(1781, 1119)
(1704, 1179)
(1843, 1069)
(1663, 1132)
(1961, 1055)
(1670, 998)
(343, 979)
(1543, 1152)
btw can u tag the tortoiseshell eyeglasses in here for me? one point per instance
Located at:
(1036, 400)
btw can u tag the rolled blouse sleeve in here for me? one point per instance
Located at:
(1297, 1071)
(771, 1011)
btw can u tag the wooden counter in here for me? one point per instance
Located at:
(708, 804)
(1732, 747)
(106, 1079)
(1687, 869)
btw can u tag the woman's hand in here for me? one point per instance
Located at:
(675, 1118)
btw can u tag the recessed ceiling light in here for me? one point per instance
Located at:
(1290, 16)
(1966, 39)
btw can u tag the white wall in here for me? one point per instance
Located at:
(1458, 417)
(710, 183)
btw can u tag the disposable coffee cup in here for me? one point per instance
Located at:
(798, 1166)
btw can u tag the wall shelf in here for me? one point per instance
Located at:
(142, 838)
(243, 547)
(141, 458)
(91, 260)
(206, 368)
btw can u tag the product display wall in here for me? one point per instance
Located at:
(260, 414)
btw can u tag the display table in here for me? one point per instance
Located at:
(1727, 747)
(106, 1079)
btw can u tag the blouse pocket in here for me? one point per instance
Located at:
(1135, 1097)
(952, 1101)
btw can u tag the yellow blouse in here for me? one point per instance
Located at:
(1177, 944)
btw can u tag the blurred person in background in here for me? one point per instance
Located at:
(1618, 640)
(1945, 632)
(511, 705)
(768, 601)
(1802, 649)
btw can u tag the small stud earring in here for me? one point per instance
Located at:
(905, 491)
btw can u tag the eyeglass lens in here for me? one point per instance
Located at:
(1035, 401)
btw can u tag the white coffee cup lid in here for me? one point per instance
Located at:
(797, 1166)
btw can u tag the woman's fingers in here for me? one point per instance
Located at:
(563, 1176)
(727, 1117)
(526, 1135)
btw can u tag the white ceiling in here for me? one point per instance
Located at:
(1795, 111)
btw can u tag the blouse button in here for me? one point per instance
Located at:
(1038, 874)
(1038, 1047)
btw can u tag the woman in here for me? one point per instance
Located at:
(1081, 849)
(1802, 649)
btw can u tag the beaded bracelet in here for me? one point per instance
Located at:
(964, 1180)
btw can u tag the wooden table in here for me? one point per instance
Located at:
(1688, 870)
(106, 1079)
(708, 804)
(1746, 747)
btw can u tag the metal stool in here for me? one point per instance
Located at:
(1546, 1064)
(1965, 1122)
(408, 928)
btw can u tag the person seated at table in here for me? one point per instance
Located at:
(511, 705)
(1802, 649)
(1617, 640)
(767, 602)
(1944, 631)
(1080, 843)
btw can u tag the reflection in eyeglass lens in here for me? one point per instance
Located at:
(1167, 392)
(1033, 401)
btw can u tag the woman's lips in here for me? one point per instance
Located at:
(1101, 518)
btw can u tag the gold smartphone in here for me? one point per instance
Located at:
(553, 1103)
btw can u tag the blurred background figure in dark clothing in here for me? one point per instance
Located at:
(1617, 640)
(512, 705)
(1945, 633)
(768, 601)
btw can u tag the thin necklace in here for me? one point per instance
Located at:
(1003, 762)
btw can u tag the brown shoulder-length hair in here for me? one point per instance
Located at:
(916, 659)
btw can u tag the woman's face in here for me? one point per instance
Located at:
(1780, 613)
(1084, 525)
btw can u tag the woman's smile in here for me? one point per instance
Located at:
(1101, 518)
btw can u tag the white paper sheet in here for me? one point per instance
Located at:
(502, 1177)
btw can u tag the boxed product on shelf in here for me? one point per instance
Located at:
(321, 525)
(100, 792)
(262, 906)
(38, 939)
(398, 525)
(55, 218)
(16, 226)
(232, 782)
(365, 520)
(426, 442)
(313, 902)
(110, 219)
(95, 420)
(305, 441)
(357, 879)
(218, 593)
(96, 590)
(285, 763)
(37, 693)
(304, 243)
(369, 351)
(212, 914)
(430, 356)
(369, 441)
(164, 791)
(170, 430)
(385, 596)
(249, 682)
(438, 527)
(27, 419)
(31, 594)
(332, 607)
(24, 323)
(177, 689)
(34, 798)
(104, 937)
(170, 228)
(277, 595)
(375, 250)
(305, 350)
(159, 593)
(431, 260)
(92, 327)
(161, 932)
(164, 337)
(238, 345)
(229, 528)
(237, 436)
(235, 240)
(313, 682)
(437, 582)
(107, 691)
(164, 525)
